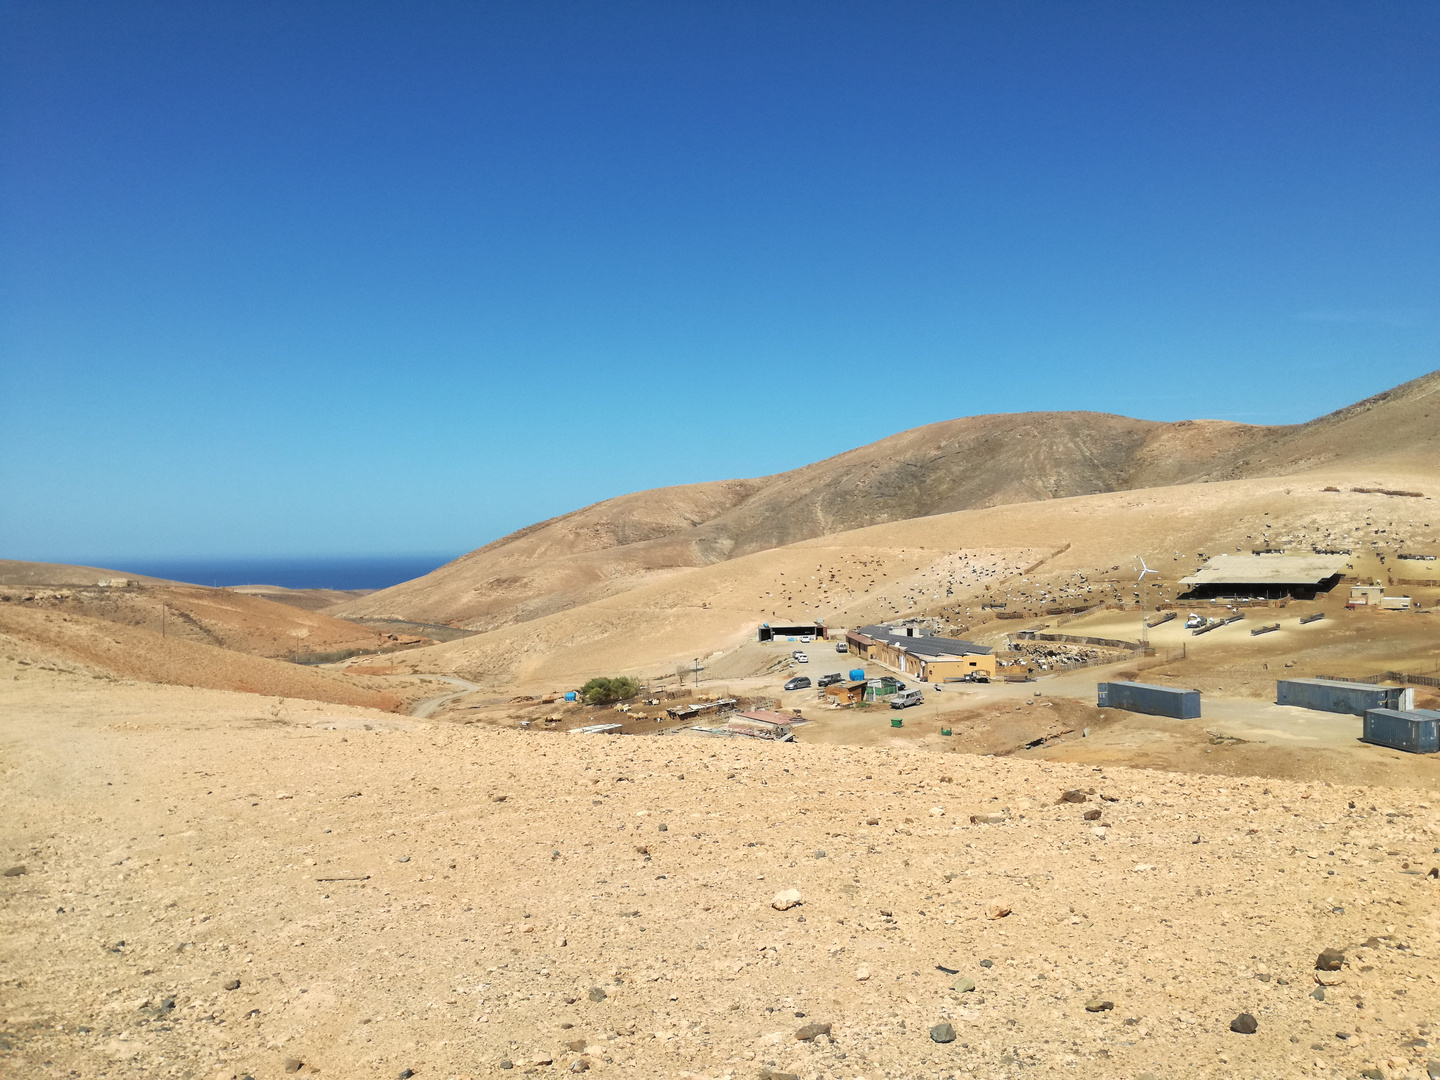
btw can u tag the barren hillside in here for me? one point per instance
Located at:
(961, 464)
(40, 639)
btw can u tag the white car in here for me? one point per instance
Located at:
(807, 638)
(801, 657)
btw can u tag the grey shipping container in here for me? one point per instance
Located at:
(1417, 730)
(1147, 698)
(1332, 695)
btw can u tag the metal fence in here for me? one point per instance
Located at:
(1386, 676)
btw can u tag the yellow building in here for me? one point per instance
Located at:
(928, 657)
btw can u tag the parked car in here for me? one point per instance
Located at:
(807, 638)
(830, 680)
(842, 647)
(906, 698)
(800, 682)
(801, 657)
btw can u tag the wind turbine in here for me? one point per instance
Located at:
(1144, 611)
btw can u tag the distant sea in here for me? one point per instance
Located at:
(376, 572)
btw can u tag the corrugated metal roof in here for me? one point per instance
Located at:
(927, 645)
(1268, 570)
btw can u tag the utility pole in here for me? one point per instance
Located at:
(697, 673)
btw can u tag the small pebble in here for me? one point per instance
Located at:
(293, 1064)
(942, 1033)
(1096, 1005)
(403, 858)
(597, 993)
(810, 1031)
(15, 871)
(1244, 1024)
(233, 984)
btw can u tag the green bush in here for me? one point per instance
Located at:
(602, 691)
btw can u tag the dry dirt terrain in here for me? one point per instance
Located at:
(222, 864)
(212, 887)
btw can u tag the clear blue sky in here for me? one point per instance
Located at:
(347, 278)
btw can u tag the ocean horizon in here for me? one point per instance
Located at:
(313, 572)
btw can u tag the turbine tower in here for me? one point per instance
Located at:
(1144, 609)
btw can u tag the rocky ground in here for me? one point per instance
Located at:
(217, 885)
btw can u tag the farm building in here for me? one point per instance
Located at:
(1298, 576)
(929, 657)
(785, 633)
(846, 693)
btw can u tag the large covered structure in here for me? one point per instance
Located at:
(932, 659)
(788, 633)
(1272, 576)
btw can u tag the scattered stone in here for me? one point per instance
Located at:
(1318, 993)
(1099, 1005)
(1432, 1070)
(767, 1073)
(597, 993)
(1372, 1074)
(403, 858)
(942, 1033)
(1330, 960)
(233, 984)
(963, 986)
(580, 1065)
(862, 973)
(986, 819)
(560, 943)
(16, 871)
(576, 1045)
(787, 899)
(987, 963)
(820, 853)
(507, 1064)
(1244, 1024)
(1074, 795)
(1093, 814)
(809, 1031)
(876, 821)
(293, 1064)
(997, 909)
(405, 1074)
(663, 827)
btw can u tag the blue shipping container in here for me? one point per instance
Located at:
(1333, 695)
(1416, 731)
(1150, 699)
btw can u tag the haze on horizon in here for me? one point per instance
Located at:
(354, 279)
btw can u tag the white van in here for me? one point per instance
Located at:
(905, 698)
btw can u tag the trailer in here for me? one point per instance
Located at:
(1148, 698)
(1416, 731)
(1333, 695)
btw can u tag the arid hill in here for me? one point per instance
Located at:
(17, 572)
(103, 649)
(230, 619)
(964, 464)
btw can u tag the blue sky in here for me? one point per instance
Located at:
(325, 278)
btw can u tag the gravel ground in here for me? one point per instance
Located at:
(214, 890)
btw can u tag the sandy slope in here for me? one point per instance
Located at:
(107, 649)
(906, 567)
(960, 464)
(448, 900)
